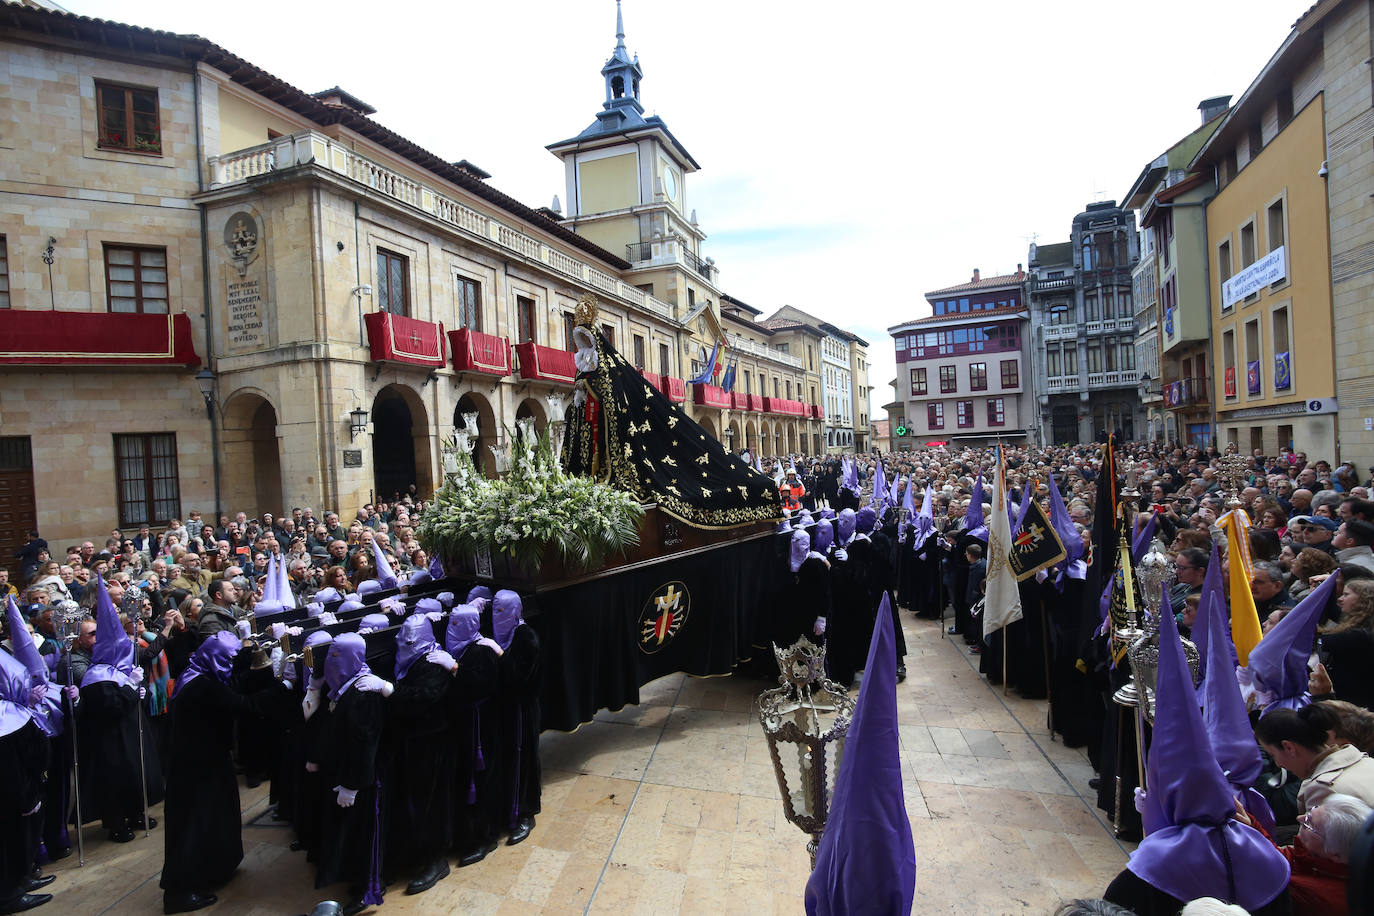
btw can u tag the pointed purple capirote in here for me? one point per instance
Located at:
(464, 629)
(214, 657)
(1063, 525)
(909, 498)
(436, 568)
(506, 610)
(22, 642)
(414, 641)
(799, 547)
(974, 523)
(284, 593)
(271, 586)
(1197, 848)
(14, 695)
(844, 527)
(1228, 722)
(112, 656)
(825, 535)
(1211, 602)
(385, 576)
(1140, 542)
(1279, 660)
(346, 662)
(866, 862)
(925, 521)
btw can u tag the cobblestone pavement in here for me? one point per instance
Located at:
(671, 806)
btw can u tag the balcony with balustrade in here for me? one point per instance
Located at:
(311, 148)
(1116, 379)
(667, 251)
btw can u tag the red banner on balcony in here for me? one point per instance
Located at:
(710, 396)
(37, 338)
(784, 406)
(677, 389)
(474, 351)
(739, 401)
(545, 364)
(398, 339)
(816, 412)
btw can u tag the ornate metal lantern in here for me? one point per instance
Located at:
(805, 721)
(67, 622)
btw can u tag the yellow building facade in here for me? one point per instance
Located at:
(1272, 330)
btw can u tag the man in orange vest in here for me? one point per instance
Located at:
(792, 491)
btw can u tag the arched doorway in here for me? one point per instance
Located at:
(474, 403)
(709, 425)
(251, 471)
(735, 436)
(786, 439)
(400, 443)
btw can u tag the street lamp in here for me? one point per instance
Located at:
(205, 380)
(357, 423)
(729, 438)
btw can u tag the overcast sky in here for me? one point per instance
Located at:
(852, 156)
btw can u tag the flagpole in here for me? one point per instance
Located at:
(1004, 661)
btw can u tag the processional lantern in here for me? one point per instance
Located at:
(805, 721)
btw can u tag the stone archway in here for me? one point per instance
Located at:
(251, 477)
(709, 424)
(400, 443)
(531, 407)
(475, 403)
(734, 439)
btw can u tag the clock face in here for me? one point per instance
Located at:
(670, 183)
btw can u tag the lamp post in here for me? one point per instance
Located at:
(730, 439)
(205, 379)
(805, 721)
(357, 423)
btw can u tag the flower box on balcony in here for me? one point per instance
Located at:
(47, 338)
(710, 396)
(474, 351)
(398, 339)
(545, 364)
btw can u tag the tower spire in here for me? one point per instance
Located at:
(619, 27)
(622, 74)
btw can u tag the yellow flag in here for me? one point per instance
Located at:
(1245, 625)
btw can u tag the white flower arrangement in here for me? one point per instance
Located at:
(537, 506)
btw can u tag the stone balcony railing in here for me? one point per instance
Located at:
(1116, 379)
(1110, 326)
(758, 349)
(1056, 383)
(308, 146)
(1061, 331)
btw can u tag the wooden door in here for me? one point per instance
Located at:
(18, 510)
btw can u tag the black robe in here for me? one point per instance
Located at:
(1075, 706)
(884, 582)
(477, 739)
(108, 721)
(808, 597)
(419, 757)
(846, 639)
(350, 839)
(515, 778)
(202, 818)
(23, 755)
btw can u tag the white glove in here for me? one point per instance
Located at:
(433, 616)
(278, 660)
(327, 618)
(142, 694)
(136, 676)
(289, 685)
(1042, 575)
(294, 631)
(346, 797)
(73, 692)
(37, 694)
(370, 683)
(1140, 797)
(818, 628)
(35, 809)
(312, 767)
(278, 630)
(245, 629)
(491, 644)
(309, 706)
(841, 554)
(442, 659)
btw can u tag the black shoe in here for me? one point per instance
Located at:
(185, 903)
(39, 883)
(59, 854)
(296, 846)
(252, 781)
(431, 876)
(953, 631)
(522, 830)
(476, 855)
(122, 836)
(354, 907)
(23, 902)
(901, 673)
(137, 823)
(1095, 783)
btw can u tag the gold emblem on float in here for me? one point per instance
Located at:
(664, 615)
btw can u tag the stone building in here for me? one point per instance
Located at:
(965, 367)
(335, 296)
(1173, 317)
(843, 375)
(1082, 317)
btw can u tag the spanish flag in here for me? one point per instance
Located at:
(1245, 625)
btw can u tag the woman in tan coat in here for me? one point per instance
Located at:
(1303, 743)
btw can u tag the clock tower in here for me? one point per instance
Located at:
(626, 191)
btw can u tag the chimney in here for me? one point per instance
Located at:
(975, 276)
(1214, 106)
(1020, 273)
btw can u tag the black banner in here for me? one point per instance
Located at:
(1036, 545)
(604, 639)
